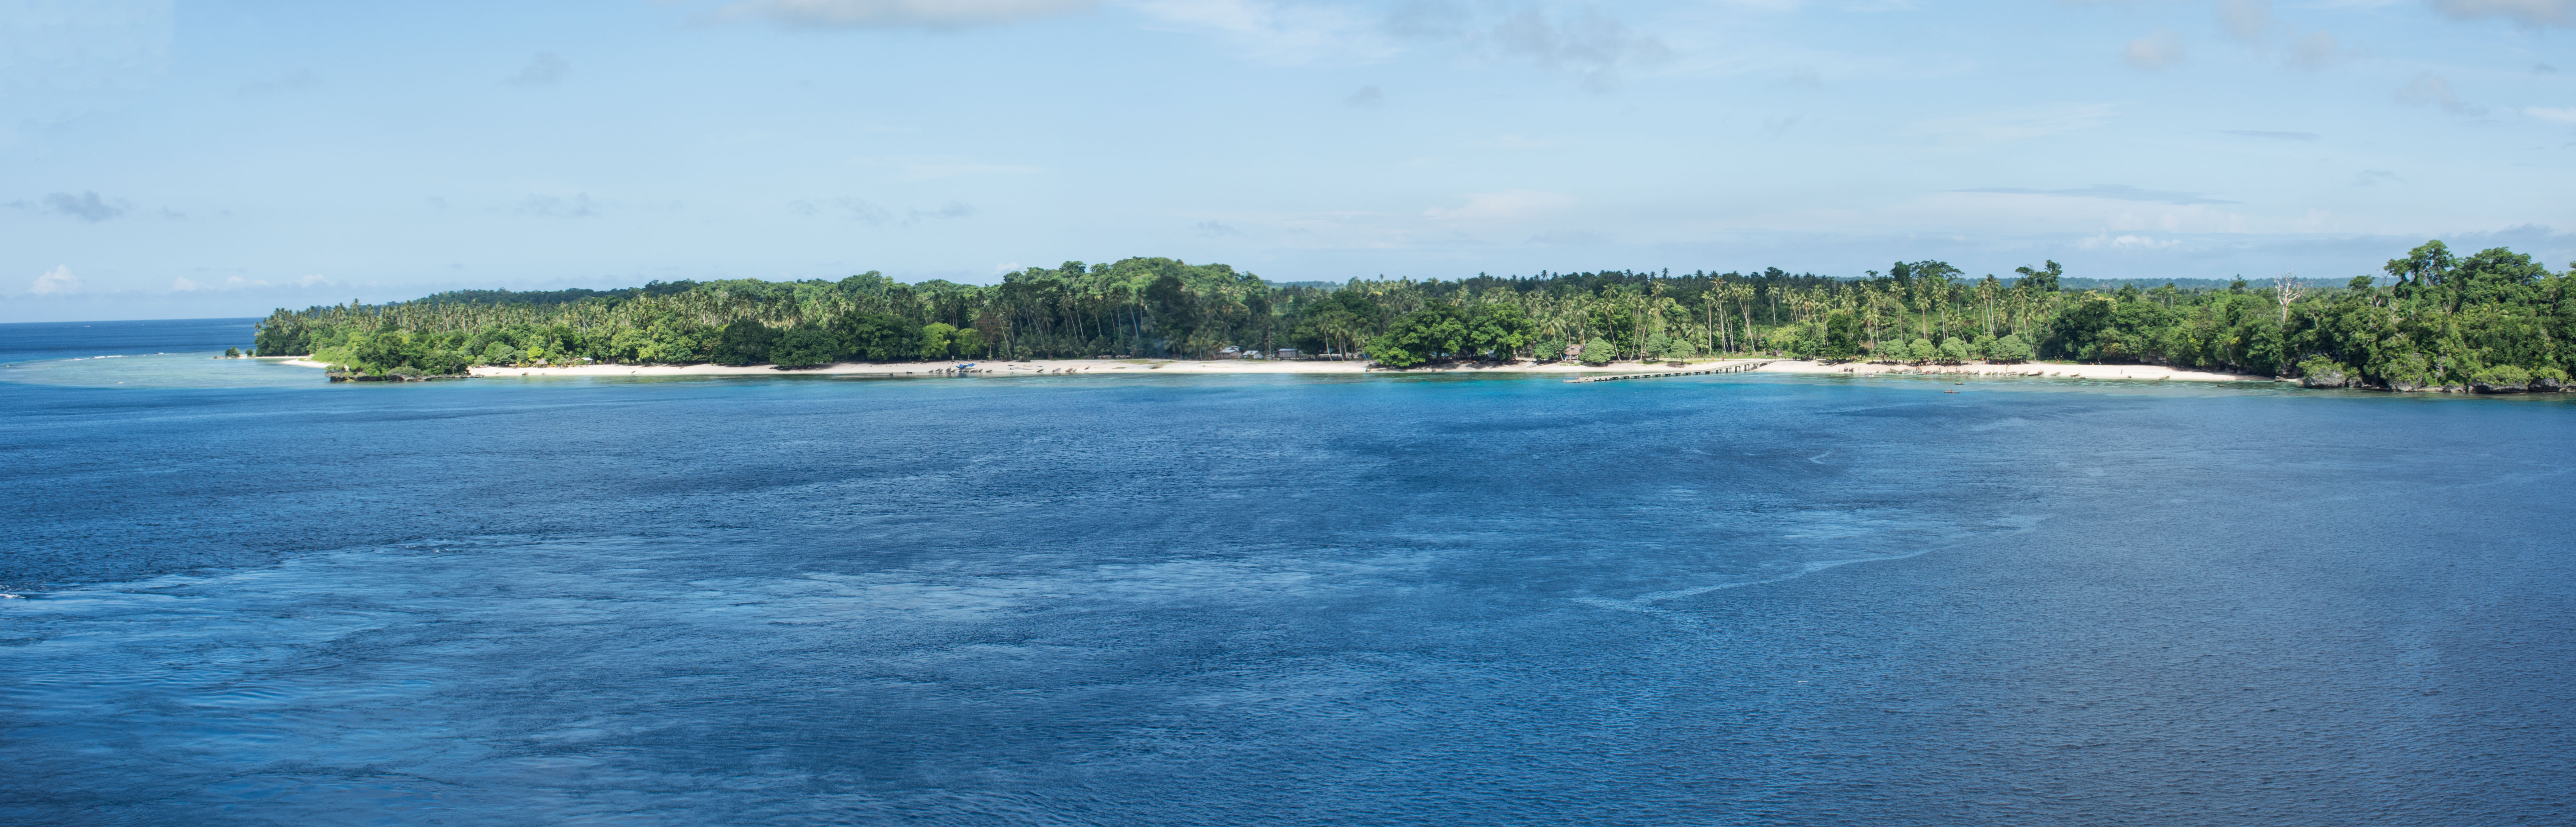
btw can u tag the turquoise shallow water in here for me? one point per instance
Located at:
(1191, 600)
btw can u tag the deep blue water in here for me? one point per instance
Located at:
(1229, 600)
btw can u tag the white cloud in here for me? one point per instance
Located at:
(1508, 205)
(2245, 20)
(183, 284)
(1279, 32)
(2524, 12)
(55, 281)
(931, 14)
(2155, 51)
(2546, 113)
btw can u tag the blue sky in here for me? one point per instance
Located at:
(221, 158)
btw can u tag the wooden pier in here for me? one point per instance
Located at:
(1738, 367)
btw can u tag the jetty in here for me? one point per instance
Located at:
(1737, 367)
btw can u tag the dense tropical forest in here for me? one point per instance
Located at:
(2495, 318)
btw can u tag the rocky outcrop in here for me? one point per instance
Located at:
(354, 376)
(2326, 379)
(2499, 387)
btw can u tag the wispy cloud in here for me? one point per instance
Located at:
(929, 167)
(2159, 49)
(2431, 89)
(2270, 135)
(292, 81)
(1368, 97)
(1595, 46)
(546, 68)
(1508, 205)
(551, 206)
(2547, 113)
(2534, 13)
(1215, 229)
(2106, 241)
(2318, 50)
(1281, 32)
(1591, 43)
(2115, 192)
(86, 206)
(2012, 125)
(923, 14)
(867, 212)
(184, 284)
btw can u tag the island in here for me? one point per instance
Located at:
(2490, 322)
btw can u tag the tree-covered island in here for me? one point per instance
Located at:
(2493, 321)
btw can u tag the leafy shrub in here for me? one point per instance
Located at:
(2010, 348)
(1599, 351)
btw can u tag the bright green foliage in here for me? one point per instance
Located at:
(1550, 349)
(2010, 348)
(1656, 344)
(2501, 376)
(1921, 350)
(1953, 350)
(1419, 337)
(935, 341)
(1499, 330)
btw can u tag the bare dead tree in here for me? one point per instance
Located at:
(2287, 289)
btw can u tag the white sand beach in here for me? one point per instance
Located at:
(1060, 367)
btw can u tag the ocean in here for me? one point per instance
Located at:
(240, 594)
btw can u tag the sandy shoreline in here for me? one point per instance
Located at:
(1137, 367)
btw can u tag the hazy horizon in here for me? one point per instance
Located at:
(216, 160)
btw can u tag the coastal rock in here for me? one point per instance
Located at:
(2498, 387)
(2543, 384)
(2325, 379)
(354, 376)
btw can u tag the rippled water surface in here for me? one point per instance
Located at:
(260, 598)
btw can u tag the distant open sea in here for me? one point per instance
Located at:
(241, 595)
